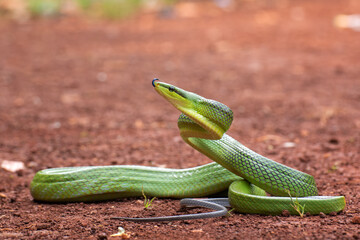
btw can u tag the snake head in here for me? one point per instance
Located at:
(178, 97)
(214, 117)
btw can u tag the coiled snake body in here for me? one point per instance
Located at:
(202, 125)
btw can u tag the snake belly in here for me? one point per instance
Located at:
(203, 123)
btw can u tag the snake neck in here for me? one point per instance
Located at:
(209, 120)
(275, 178)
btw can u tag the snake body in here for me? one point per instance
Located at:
(203, 123)
(95, 183)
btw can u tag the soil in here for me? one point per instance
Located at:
(77, 91)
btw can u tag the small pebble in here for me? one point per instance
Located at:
(102, 236)
(333, 213)
(289, 145)
(322, 215)
(41, 226)
(285, 213)
(334, 141)
(355, 220)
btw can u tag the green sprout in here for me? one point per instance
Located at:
(300, 209)
(147, 202)
(333, 168)
(229, 213)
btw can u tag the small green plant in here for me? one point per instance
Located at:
(333, 168)
(229, 213)
(300, 209)
(44, 7)
(118, 9)
(85, 4)
(147, 202)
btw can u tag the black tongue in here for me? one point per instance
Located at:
(153, 81)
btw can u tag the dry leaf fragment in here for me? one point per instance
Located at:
(121, 233)
(2, 195)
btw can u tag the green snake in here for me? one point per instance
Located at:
(203, 122)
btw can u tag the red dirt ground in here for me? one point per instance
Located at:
(76, 92)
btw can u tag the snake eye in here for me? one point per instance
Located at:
(171, 89)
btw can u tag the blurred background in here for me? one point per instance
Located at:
(83, 69)
(110, 9)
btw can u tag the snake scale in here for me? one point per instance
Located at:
(247, 175)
